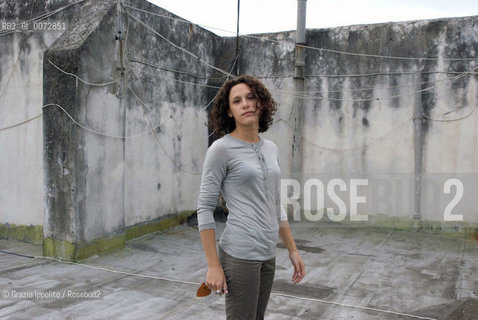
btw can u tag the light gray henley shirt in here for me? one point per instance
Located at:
(248, 175)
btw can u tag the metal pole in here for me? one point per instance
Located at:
(301, 11)
(237, 30)
(418, 150)
(236, 67)
(297, 113)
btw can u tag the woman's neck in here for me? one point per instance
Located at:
(249, 136)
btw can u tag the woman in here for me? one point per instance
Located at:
(244, 167)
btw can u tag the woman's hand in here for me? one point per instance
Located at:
(215, 279)
(299, 267)
(295, 258)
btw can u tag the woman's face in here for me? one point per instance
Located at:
(243, 105)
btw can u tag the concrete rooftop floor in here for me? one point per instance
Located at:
(352, 273)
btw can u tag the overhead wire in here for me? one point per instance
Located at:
(153, 129)
(176, 71)
(86, 128)
(175, 45)
(84, 81)
(12, 73)
(406, 84)
(286, 93)
(370, 99)
(178, 166)
(282, 93)
(21, 123)
(228, 74)
(262, 38)
(349, 75)
(181, 81)
(382, 98)
(451, 120)
(330, 91)
(193, 283)
(174, 19)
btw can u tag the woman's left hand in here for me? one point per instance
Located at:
(299, 267)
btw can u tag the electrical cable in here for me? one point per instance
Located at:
(21, 123)
(284, 93)
(372, 74)
(157, 138)
(349, 75)
(12, 73)
(327, 91)
(352, 148)
(351, 306)
(174, 45)
(173, 18)
(84, 81)
(276, 293)
(153, 129)
(180, 81)
(382, 98)
(406, 84)
(315, 48)
(17, 254)
(176, 71)
(450, 120)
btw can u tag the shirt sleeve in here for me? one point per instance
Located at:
(283, 214)
(214, 171)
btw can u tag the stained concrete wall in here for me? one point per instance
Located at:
(359, 111)
(351, 132)
(21, 91)
(138, 155)
(136, 158)
(72, 153)
(163, 170)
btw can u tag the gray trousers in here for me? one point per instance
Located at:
(249, 283)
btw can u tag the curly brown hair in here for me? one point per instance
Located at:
(219, 120)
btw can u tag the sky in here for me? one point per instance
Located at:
(262, 16)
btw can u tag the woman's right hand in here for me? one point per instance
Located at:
(215, 279)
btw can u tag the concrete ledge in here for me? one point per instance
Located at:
(164, 223)
(401, 223)
(65, 250)
(21, 232)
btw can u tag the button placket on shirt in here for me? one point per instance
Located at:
(263, 166)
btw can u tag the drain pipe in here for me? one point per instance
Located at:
(297, 113)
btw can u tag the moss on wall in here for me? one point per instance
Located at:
(459, 229)
(21, 232)
(65, 250)
(139, 230)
